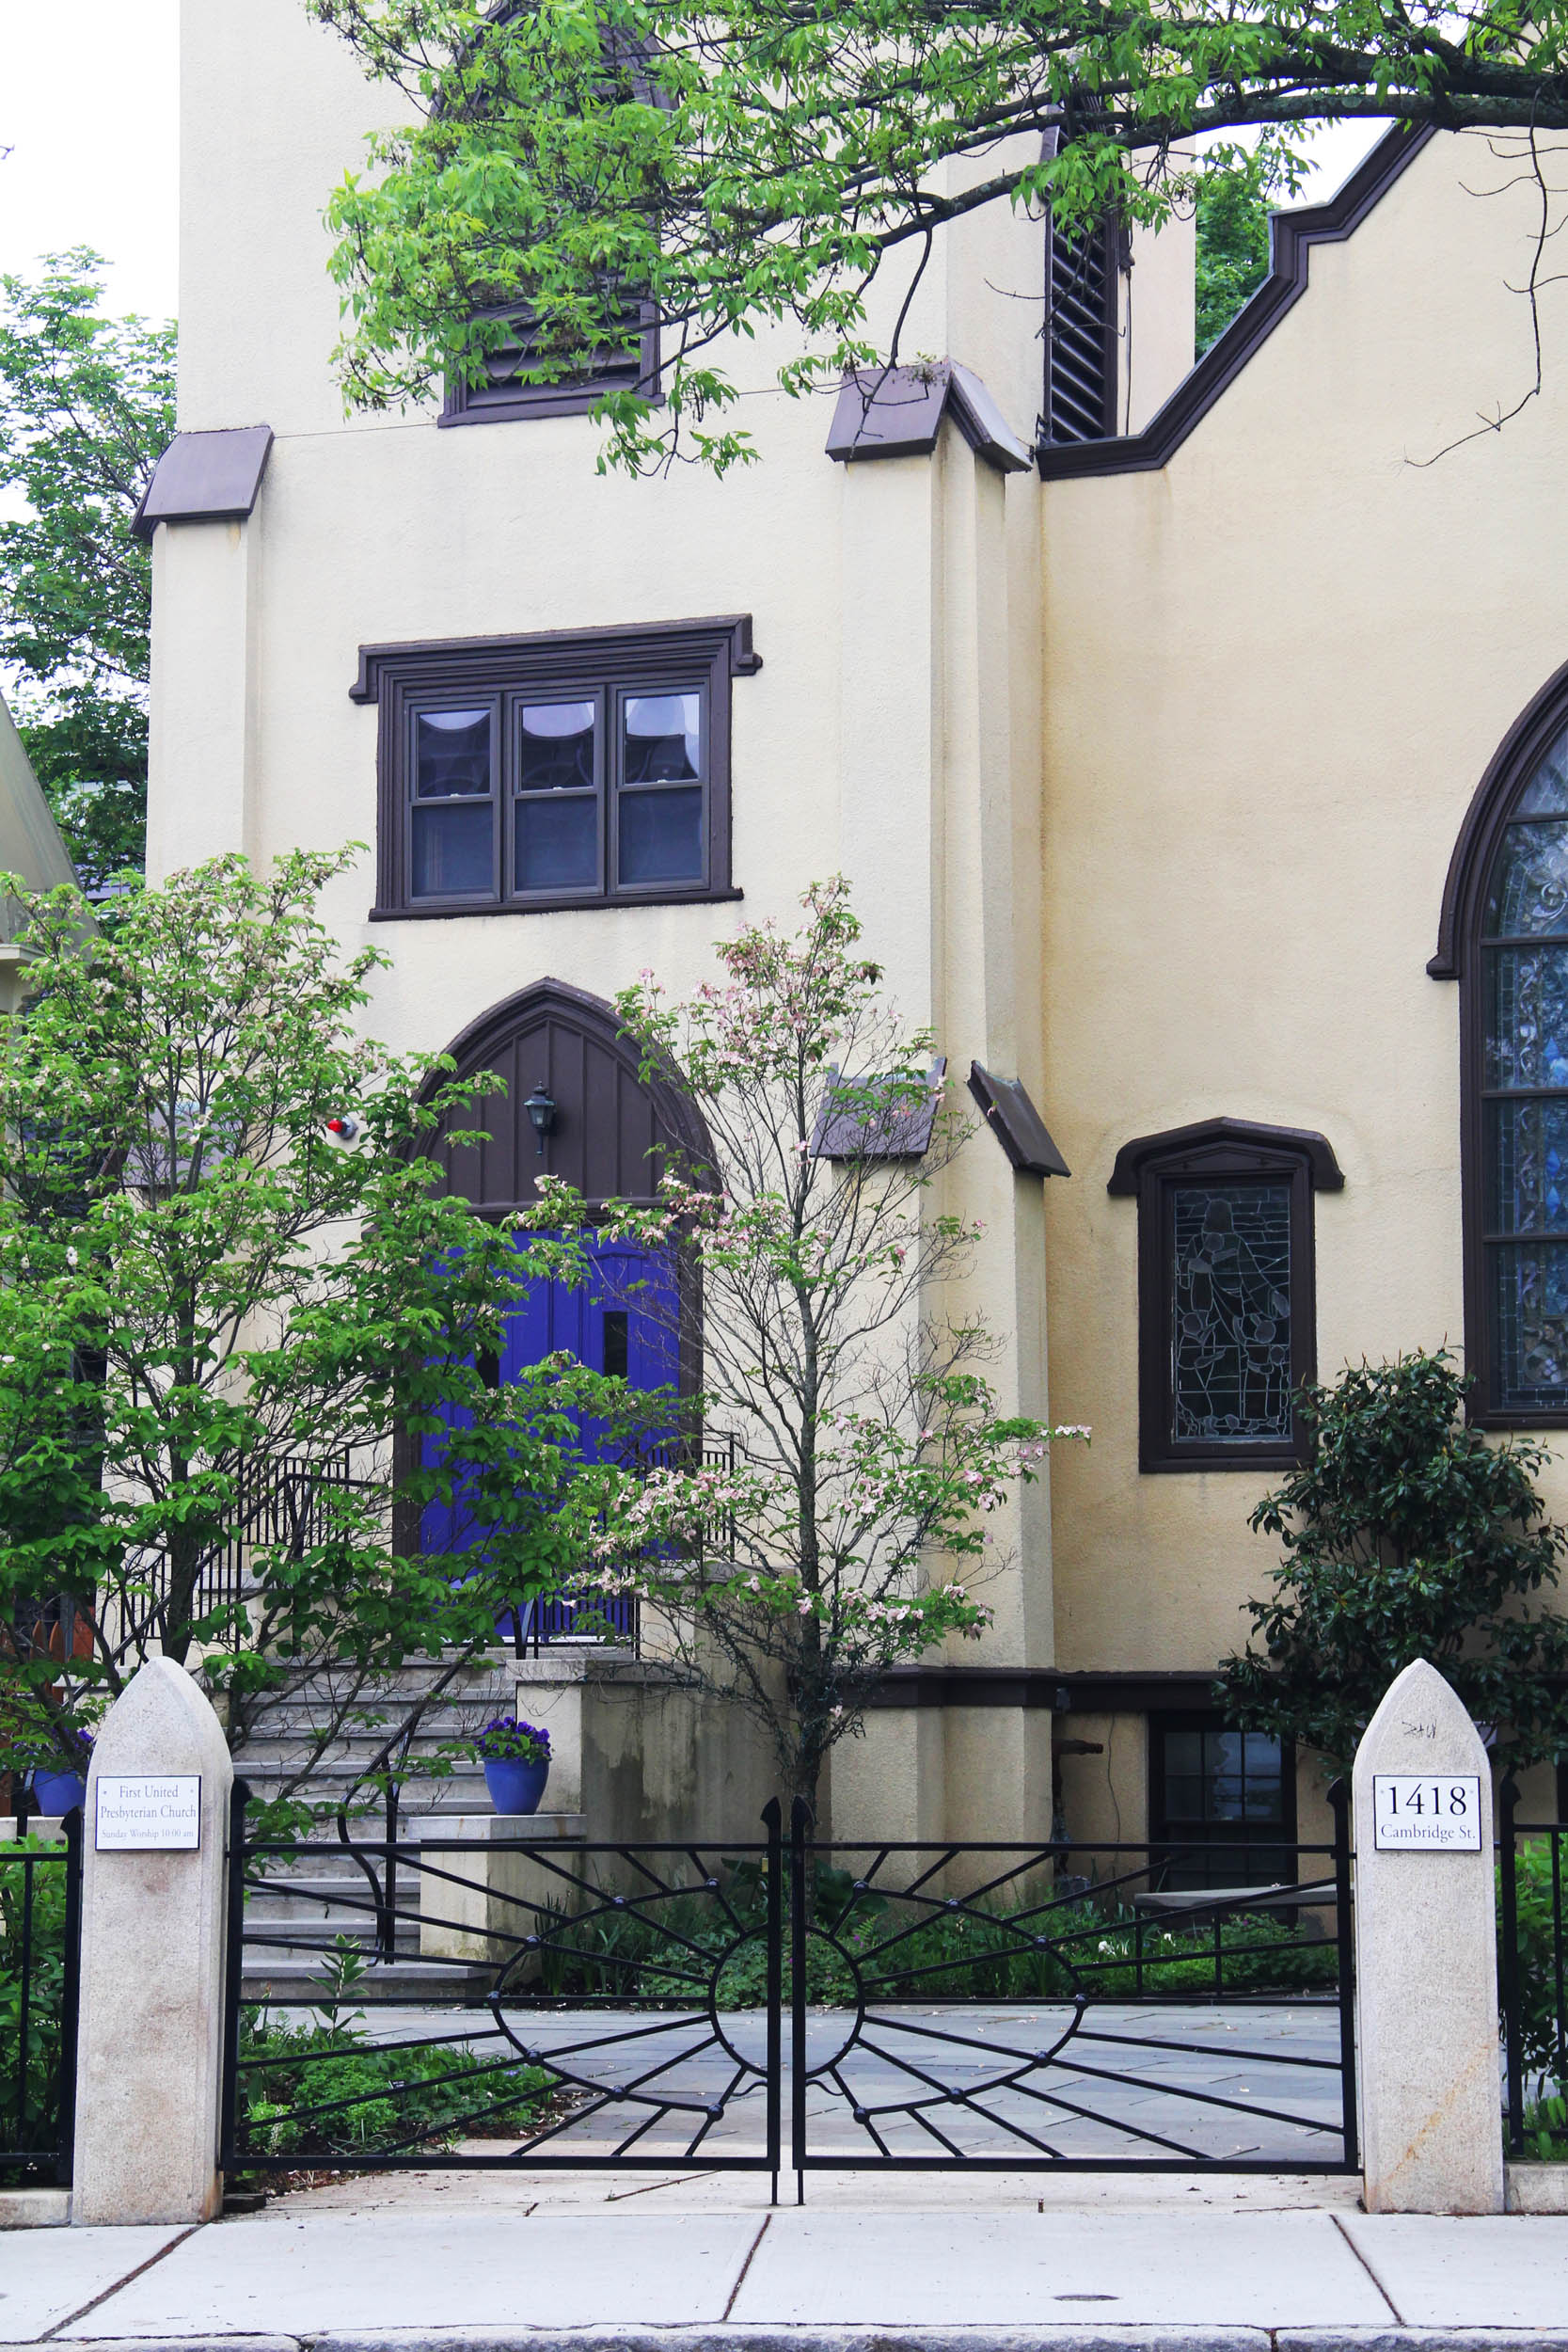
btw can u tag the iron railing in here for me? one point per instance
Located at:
(39, 1953)
(954, 2004)
(1533, 1970)
(588, 2026)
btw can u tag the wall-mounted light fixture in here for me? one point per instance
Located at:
(540, 1106)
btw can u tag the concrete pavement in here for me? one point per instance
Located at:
(622, 2263)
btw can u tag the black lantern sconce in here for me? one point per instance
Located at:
(540, 1106)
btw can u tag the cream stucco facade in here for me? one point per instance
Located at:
(1147, 781)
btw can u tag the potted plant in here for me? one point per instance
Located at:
(516, 1760)
(62, 1783)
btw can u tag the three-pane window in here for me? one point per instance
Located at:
(555, 770)
(601, 793)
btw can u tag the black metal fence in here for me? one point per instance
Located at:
(528, 2003)
(39, 1953)
(1532, 1975)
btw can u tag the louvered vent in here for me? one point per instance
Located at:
(627, 365)
(1081, 336)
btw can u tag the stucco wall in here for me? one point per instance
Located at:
(1275, 672)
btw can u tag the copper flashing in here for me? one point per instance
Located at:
(206, 478)
(897, 412)
(1016, 1123)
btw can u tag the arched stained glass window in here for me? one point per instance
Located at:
(1523, 1024)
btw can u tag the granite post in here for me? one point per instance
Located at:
(149, 2047)
(1426, 1956)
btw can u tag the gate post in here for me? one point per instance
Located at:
(1426, 1965)
(149, 2041)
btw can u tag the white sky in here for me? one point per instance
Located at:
(88, 92)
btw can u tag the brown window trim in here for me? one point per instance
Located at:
(1459, 958)
(1219, 1150)
(571, 396)
(664, 656)
(1292, 236)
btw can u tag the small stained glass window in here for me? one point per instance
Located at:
(1231, 1312)
(1227, 1319)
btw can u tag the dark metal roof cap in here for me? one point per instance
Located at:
(206, 478)
(897, 412)
(1016, 1123)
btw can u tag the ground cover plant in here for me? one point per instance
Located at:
(320, 2089)
(899, 1947)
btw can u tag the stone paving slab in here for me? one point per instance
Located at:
(45, 2275)
(1490, 2272)
(930, 2270)
(274, 2274)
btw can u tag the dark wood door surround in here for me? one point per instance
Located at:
(614, 1129)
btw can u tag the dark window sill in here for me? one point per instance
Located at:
(542, 404)
(1264, 1458)
(1488, 1417)
(457, 907)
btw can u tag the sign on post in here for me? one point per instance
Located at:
(147, 1813)
(1426, 1812)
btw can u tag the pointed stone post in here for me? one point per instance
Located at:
(150, 2042)
(1426, 1968)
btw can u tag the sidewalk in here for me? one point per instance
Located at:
(1083, 2264)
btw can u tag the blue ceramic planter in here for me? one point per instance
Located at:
(516, 1786)
(56, 1792)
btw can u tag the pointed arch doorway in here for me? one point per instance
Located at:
(608, 1131)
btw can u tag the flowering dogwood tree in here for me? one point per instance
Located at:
(869, 1458)
(229, 1269)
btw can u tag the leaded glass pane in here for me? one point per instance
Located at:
(1526, 1166)
(1529, 884)
(1527, 1017)
(1529, 1295)
(1231, 1312)
(1546, 793)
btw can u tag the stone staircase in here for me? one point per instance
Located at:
(310, 1899)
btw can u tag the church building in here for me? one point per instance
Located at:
(1194, 741)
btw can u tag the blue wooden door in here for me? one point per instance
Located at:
(622, 1322)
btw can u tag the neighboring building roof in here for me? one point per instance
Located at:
(1291, 237)
(206, 478)
(1016, 1123)
(897, 412)
(30, 843)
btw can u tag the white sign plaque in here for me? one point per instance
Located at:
(1426, 1812)
(147, 1813)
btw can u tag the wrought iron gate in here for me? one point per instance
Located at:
(40, 1931)
(529, 2003)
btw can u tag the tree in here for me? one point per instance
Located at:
(227, 1275)
(869, 1455)
(1407, 1535)
(757, 162)
(1232, 241)
(86, 408)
